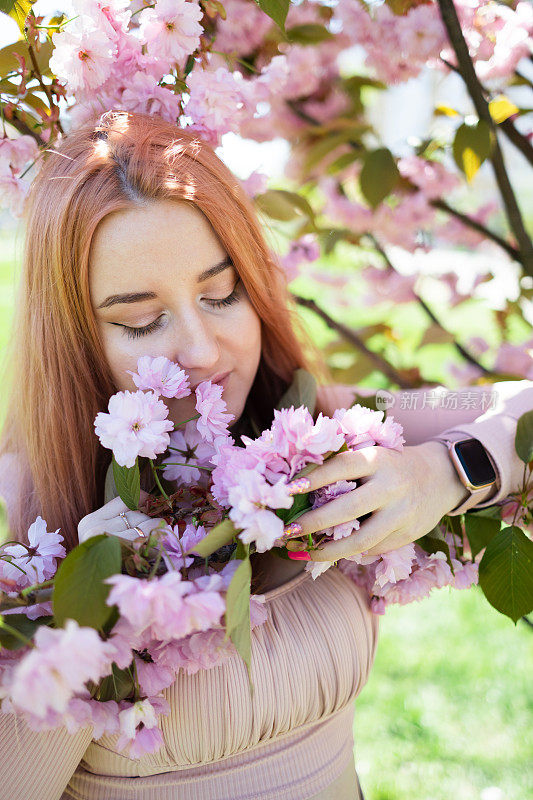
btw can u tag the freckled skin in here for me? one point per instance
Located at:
(163, 246)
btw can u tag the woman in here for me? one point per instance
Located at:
(140, 241)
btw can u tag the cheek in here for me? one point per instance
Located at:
(122, 355)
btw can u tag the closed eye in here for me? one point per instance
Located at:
(135, 333)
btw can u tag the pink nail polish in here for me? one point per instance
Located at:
(299, 486)
(299, 555)
(294, 529)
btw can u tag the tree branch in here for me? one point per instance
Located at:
(381, 363)
(21, 126)
(464, 353)
(513, 252)
(450, 19)
(520, 141)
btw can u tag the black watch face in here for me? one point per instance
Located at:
(475, 461)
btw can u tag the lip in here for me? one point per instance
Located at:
(219, 378)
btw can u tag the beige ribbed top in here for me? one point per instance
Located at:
(310, 659)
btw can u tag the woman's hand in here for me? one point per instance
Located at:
(108, 520)
(406, 492)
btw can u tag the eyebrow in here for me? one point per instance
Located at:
(138, 297)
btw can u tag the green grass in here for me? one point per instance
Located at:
(447, 712)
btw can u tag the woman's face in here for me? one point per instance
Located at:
(161, 283)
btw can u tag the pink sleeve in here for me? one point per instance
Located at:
(10, 479)
(488, 413)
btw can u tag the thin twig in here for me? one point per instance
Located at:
(431, 314)
(451, 22)
(350, 336)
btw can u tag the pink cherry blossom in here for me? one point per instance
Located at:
(395, 565)
(172, 29)
(153, 678)
(110, 16)
(387, 285)
(243, 29)
(213, 422)
(325, 495)
(39, 562)
(431, 177)
(161, 376)
(175, 545)
(15, 153)
(363, 427)
(188, 447)
(165, 607)
(255, 183)
(62, 661)
(216, 102)
(143, 96)
(251, 497)
(301, 251)
(83, 54)
(13, 191)
(139, 733)
(136, 425)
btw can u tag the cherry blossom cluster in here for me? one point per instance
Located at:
(15, 154)
(408, 573)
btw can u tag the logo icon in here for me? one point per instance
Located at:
(384, 399)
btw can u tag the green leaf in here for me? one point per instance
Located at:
(506, 573)
(275, 205)
(327, 142)
(480, 531)
(8, 61)
(309, 33)
(299, 202)
(79, 592)
(19, 11)
(472, 145)
(276, 10)
(524, 437)
(128, 483)
(21, 623)
(301, 392)
(237, 618)
(110, 489)
(434, 542)
(299, 506)
(116, 686)
(217, 537)
(379, 175)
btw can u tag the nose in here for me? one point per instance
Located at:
(196, 347)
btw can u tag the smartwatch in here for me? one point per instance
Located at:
(472, 464)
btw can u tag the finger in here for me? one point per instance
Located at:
(114, 506)
(391, 542)
(346, 507)
(343, 466)
(374, 530)
(146, 524)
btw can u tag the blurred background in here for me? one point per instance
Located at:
(448, 710)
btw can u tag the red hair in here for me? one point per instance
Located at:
(59, 377)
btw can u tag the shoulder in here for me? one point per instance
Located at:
(338, 395)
